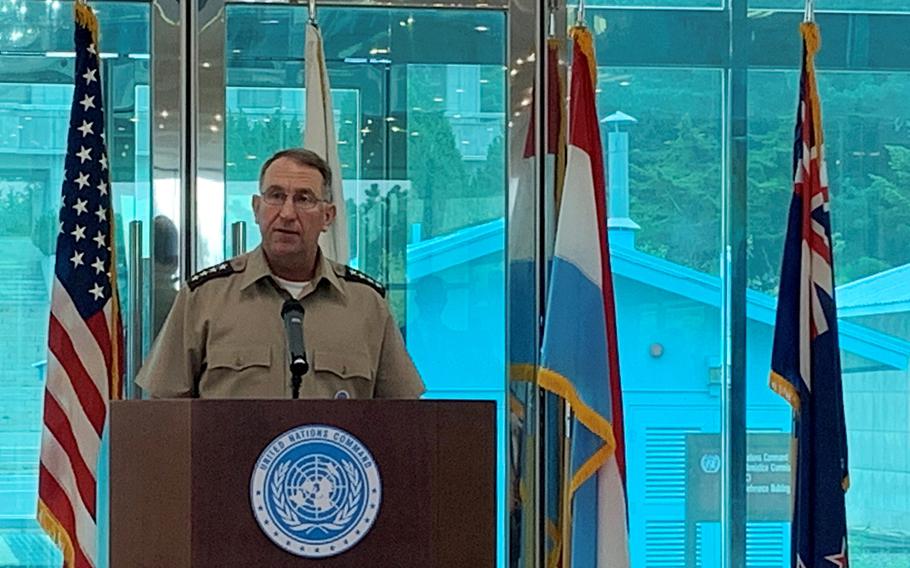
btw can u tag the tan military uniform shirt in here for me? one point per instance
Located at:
(225, 336)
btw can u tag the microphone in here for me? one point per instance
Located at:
(292, 314)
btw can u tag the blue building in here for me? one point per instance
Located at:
(670, 356)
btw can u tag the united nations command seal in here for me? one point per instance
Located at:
(315, 491)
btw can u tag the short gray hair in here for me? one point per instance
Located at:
(303, 157)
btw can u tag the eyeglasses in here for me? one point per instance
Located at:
(303, 201)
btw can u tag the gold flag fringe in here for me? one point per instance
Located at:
(582, 36)
(85, 17)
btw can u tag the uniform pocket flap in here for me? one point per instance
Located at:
(350, 365)
(238, 358)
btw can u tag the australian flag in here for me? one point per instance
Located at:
(805, 362)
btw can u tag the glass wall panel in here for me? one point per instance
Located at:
(421, 142)
(675, 90)
(419, 107)
(36, 87)
(898, 6)
(666, 266)
(658, 4)
(867, 150)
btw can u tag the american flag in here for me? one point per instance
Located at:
(805, 361)
(85, 336)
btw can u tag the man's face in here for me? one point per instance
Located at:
(291, 230)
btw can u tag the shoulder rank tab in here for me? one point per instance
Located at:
(354, 275)
(204, 276)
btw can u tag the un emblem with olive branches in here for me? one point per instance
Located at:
(315, 491)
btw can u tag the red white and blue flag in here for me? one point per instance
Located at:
(579, 360)
(805, 361)
(85, 336)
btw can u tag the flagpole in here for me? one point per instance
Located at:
(809, 14)
(580, 13)
(568, 416)
(565, 496)
(311, 7)
(551, 12)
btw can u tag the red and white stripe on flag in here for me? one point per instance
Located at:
(85, 335)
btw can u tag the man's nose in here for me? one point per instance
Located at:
(287, 210)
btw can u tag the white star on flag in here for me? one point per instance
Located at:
(86, 128)
(88, 102)
(82, 180)
(101, 213)
(98, 265)
(103, 161)
(97, 291)
(839, 559)
(80, 206)
(77, 259)
(84, 154)
(102, 188)
(99, 238)
(91, 49)
(89, 76)
(79, 233)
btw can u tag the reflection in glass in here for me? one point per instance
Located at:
(664, 223)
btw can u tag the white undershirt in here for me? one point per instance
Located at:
(294, 287)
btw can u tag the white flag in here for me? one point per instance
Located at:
(319, 137)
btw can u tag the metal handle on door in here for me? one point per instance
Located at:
(238, 238)
(134, 330)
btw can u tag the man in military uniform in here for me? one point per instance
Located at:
(225, 337)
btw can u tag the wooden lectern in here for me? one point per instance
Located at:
(180, 481)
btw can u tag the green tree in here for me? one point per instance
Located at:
(489, 179)
(675, 191)
(435, 168)
(250, 141)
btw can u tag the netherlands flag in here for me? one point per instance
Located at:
(579, 362)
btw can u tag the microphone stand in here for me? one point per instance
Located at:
(299, 367)
(296, 379)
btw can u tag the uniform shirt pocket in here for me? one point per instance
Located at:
(344, 375)
(238, 372)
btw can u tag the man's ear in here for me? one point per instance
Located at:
(256, 203)
(328, 218)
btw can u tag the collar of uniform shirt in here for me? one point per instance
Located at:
(257, 268)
